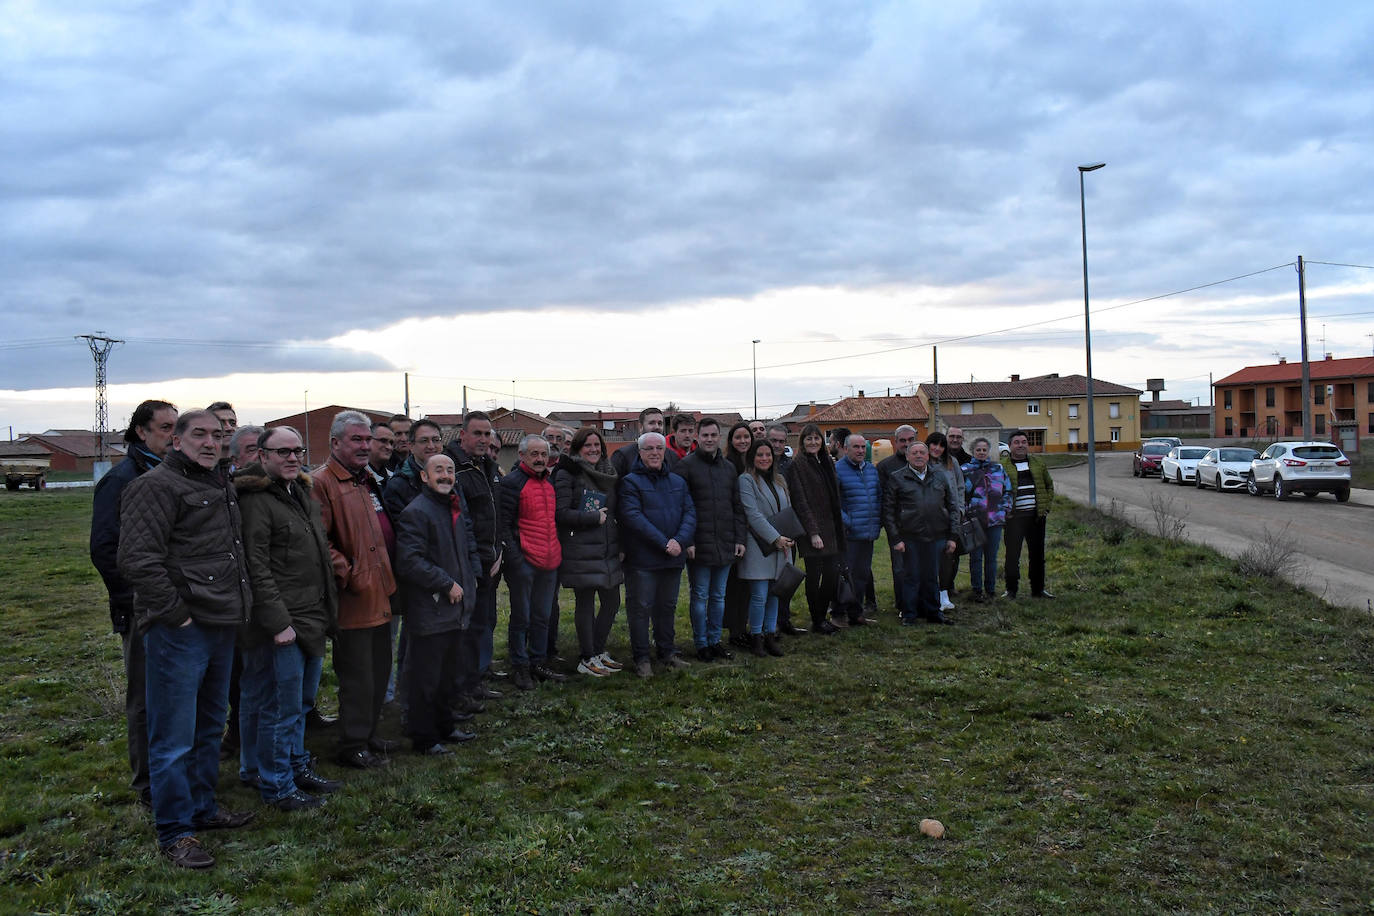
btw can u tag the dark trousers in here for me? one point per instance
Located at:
(736, 618)
(652, 598)
(592, 628)
(898, 597)
(486, 609)
(472, 641)
(551, 640)
(527, 634)
(821, 575)
(1029, 529)
(859, 556)
(231, 731)
(949, 569)
(362, 665)
(920, 578)
(430, 673)
(136, 712)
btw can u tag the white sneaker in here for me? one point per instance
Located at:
(592, 668)
(945, 603)
(610, 664)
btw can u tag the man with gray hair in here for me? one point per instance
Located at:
(243, 446)
(657, 523)
(559, 438)
(361, 543)
(902, 437)
(777, 437)
(529, 540)
(861, 510)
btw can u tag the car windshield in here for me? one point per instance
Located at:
(1328, 452)
(1155, 449)
(1191, 453)
(1238, 454)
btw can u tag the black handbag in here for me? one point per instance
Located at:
(969, 534)
(786, 584)
(786, 523)
(846, 596)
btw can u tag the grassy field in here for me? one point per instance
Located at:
(1168, 736)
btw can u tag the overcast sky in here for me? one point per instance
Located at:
(267, 198)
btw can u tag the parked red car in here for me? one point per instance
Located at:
(1146, 460)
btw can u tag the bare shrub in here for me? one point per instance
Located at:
(1273, 556)
(1111, 523)
(1167, 525)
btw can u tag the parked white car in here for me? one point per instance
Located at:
(1180, 465)
(1285, 468)
(1225, 468)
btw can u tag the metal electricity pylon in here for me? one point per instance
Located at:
(100, 348)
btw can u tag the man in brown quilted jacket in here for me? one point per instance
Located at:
(181, 551)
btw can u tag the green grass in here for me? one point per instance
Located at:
(1167, 736)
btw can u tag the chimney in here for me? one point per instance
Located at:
(1283, 360)
(1016, 378)
(861, 391)
(1328, 356)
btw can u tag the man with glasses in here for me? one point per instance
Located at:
(361, 542)
(294, 607)
(379, 454)
(180, 552)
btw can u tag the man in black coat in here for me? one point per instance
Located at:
(650, 421)
(477, 478)
(902, 437)
(719, 540)
(437, 565)
(148, 437)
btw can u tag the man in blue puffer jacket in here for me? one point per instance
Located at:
(657, 523)
(861, 510)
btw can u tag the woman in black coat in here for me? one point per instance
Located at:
(585, 482)
(815, 495)
(735, 446)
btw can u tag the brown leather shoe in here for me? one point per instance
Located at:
(188, 853)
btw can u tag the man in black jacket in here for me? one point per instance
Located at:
(902, 437)
(719, 539)
(919, 513)
(477, 478)
(650, 421)
(437, 568)
(148, 437)
(180, 549)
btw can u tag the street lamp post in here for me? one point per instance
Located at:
(756, 379)
(1088, 335)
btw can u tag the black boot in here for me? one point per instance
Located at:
(756, 645)
(770, 645)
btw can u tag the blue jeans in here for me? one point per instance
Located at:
(188, 699)
(531, 596)
(708, 602)
(763, 606)
(982, 562)
(651, 597)
(921, 578)
(272, 716)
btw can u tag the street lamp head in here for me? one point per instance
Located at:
(756, 341)
(1091, 168)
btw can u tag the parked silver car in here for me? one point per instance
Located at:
(1225, 468)
(1286, 468)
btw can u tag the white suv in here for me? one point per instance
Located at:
(1285, 468)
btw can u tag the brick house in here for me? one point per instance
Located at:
(1265, 402)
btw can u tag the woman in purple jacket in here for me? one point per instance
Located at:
(988, 497)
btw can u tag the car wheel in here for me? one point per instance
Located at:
(1280, 491)
(1163, 477)
(1135, 471)
(1178, 477)
(1343, 495)
(1251, 485)
(1197, 482)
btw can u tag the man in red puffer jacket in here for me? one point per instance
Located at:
(529, 536)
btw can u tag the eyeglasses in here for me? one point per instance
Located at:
(298, 451)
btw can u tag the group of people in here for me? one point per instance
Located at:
(230, 568)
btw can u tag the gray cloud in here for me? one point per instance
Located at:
(216, 174)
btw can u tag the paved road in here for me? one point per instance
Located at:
(1335, 540)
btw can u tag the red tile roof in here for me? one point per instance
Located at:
(972, 421)
(79, 444)
(873, 410)
(1354, 367)
(1041, 386)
